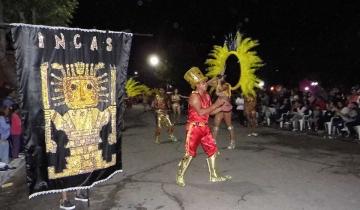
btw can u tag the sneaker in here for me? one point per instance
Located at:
(173, 138)
(231, 145)
(66, 204)
(82, 196)
(250, 134)
(255, 134)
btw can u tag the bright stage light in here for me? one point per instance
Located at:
(306, 88)
(154, 60)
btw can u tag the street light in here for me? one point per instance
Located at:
(314, 84)
(154, 60)
(261, 84)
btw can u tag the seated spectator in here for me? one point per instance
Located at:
(316, 101)
(354, 97)
(271, 111)
(354, 118)
(339, 109)
(298, 112)
(284, 108)
(315, 117)
(326, 116)
(348, 114)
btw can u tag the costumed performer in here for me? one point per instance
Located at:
(250, 113)
(161, 106)
(197, 128)
(223, 90)
(176, 108)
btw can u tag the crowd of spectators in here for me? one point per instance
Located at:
(333, 112)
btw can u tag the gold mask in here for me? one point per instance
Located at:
(78, 86)
(81, 92)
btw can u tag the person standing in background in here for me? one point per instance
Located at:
(15, 131)
(4, 135)
(239, 102)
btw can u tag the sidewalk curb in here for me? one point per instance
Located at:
(6, 175)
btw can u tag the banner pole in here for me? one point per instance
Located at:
(8, 25)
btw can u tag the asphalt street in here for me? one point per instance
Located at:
(274, 171)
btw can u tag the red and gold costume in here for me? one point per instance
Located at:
(198, 131)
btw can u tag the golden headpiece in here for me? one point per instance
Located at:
(194, 76)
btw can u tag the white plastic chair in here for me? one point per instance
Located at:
(330, 128)
(282, 119)
(305, 121)
(357, 129)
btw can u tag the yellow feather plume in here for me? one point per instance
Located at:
(134, 88)
(249, 62)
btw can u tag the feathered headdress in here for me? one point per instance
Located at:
(135, 88)
(249, 61)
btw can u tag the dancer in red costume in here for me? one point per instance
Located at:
(198, 131)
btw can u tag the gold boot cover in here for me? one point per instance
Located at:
(183, 165)
(214, 176)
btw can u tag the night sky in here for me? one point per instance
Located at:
(298, 39)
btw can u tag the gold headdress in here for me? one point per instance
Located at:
(194, 76)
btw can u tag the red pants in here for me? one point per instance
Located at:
(199, 134)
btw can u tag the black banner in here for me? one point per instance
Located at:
(71, 85)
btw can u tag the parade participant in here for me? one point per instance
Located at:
(248, 61)
(161, 106)
(250, 112)
(175, 100)
(197, 129)
(223, 90)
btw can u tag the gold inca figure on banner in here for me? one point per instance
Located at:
(79, 100)
(161, 104)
